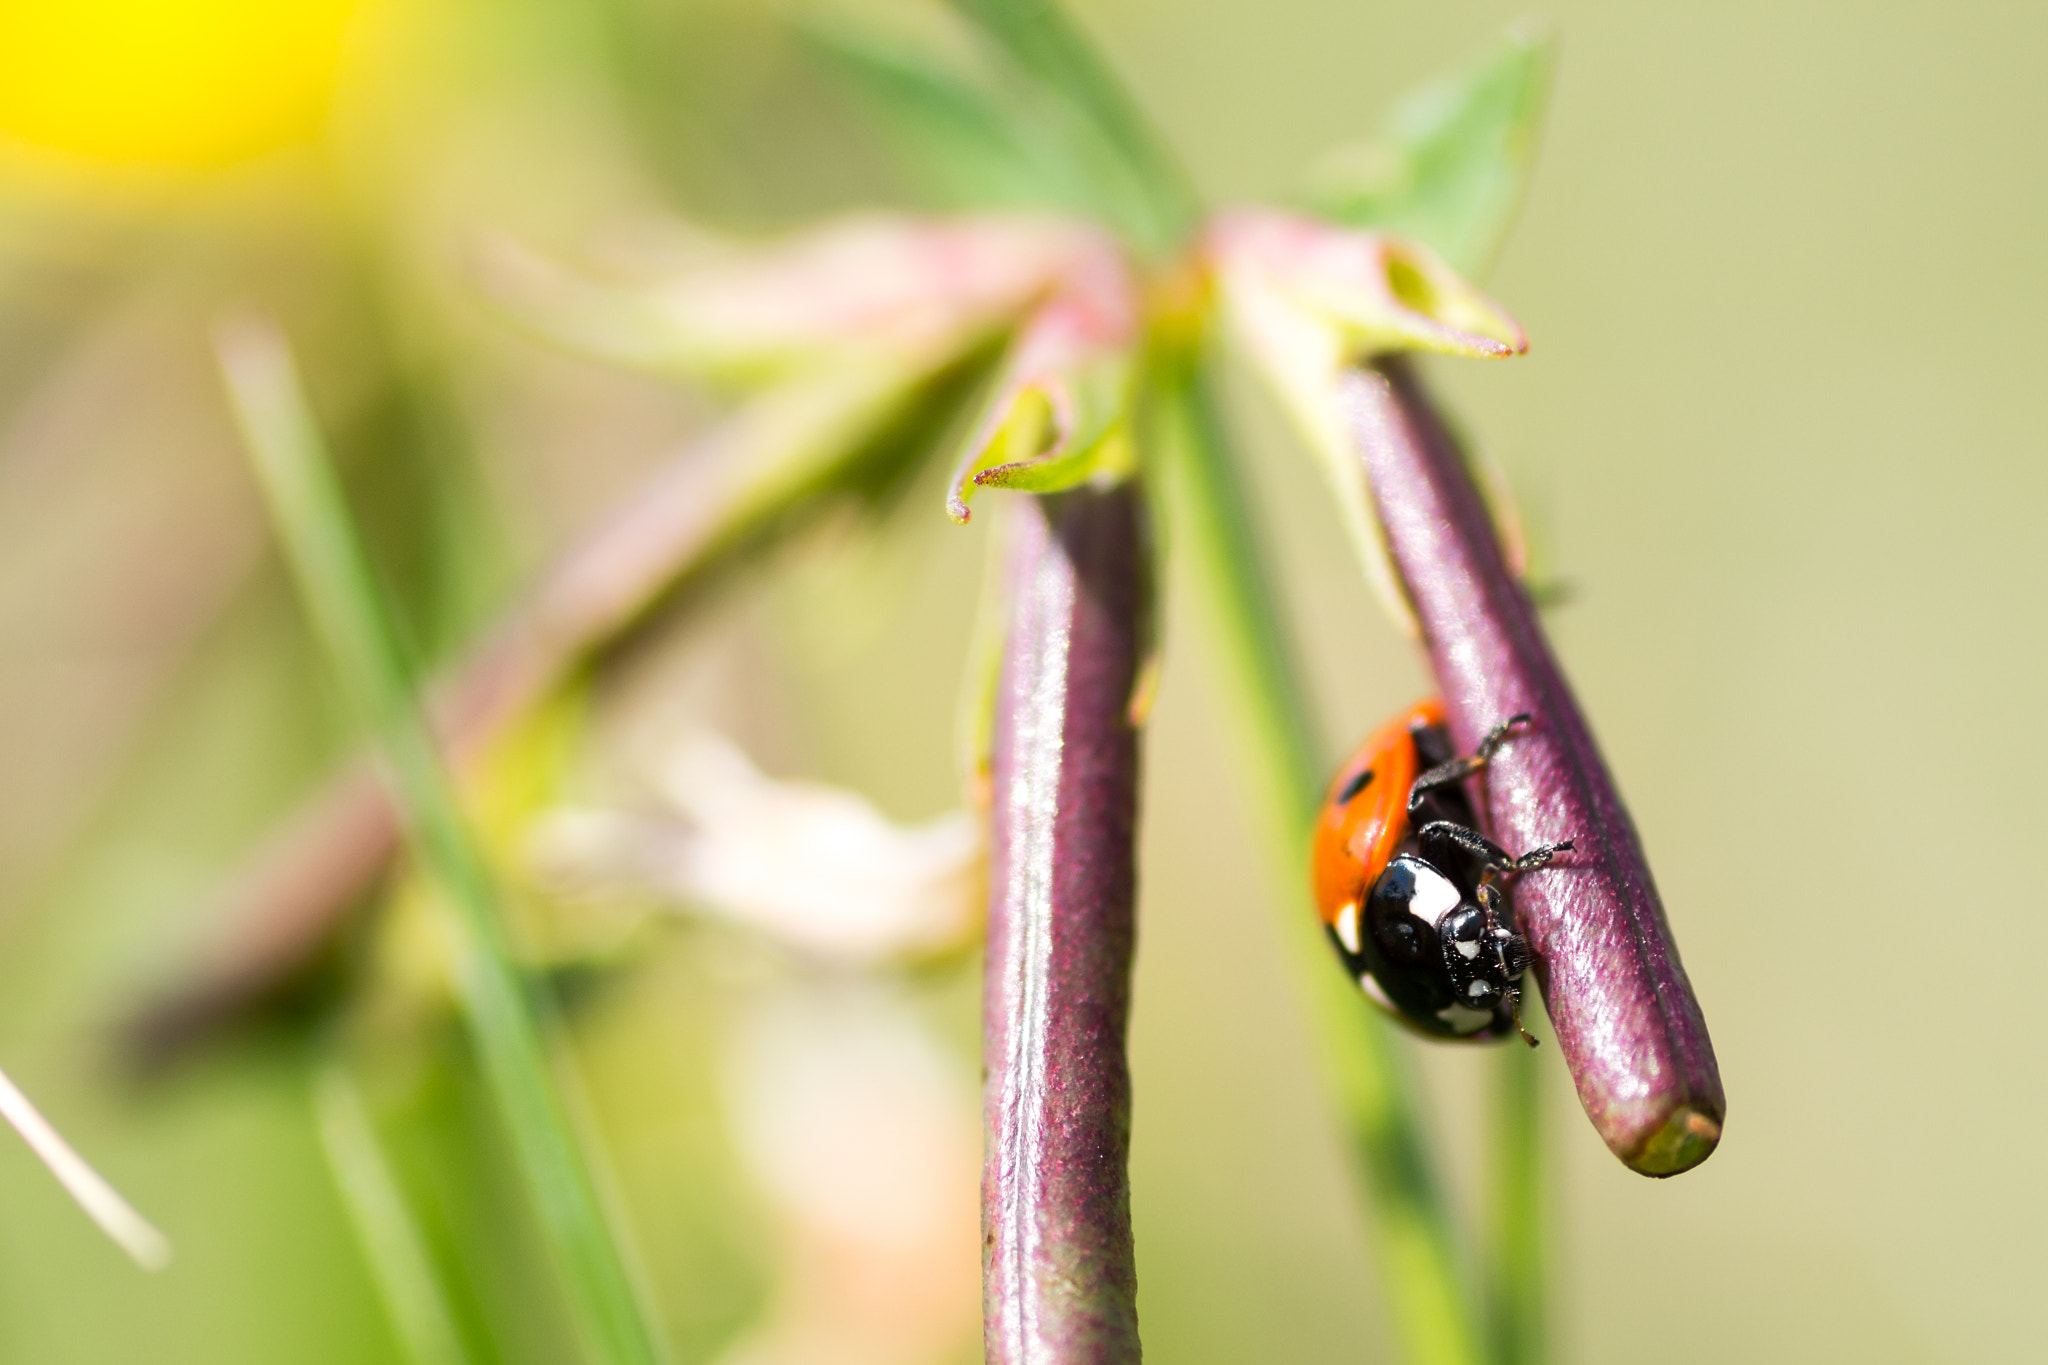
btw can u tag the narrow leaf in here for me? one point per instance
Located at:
(1101, 136)
(1451, 164)
(506, 1021)
(1424, 1279)
(393, 1246)
(958, 119)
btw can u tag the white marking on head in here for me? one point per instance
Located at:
(1434, 896)
(1468, 949)
(1478, 988)
(1377, 995)
(1347, 927)
(1463, 1020)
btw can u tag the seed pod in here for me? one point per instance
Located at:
(1625, 1015)
(1059, 1277)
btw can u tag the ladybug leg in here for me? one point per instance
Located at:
(1458, 769)
(1517, 994)
(1498, 736)
(1471, 843)
(1442, 775)
(1539, 856)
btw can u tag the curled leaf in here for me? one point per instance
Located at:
(1376, 292)
(1060, 415)
(1305, 301)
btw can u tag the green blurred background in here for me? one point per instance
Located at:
(1780, 429)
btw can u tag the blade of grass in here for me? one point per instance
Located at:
(735, 491)
(1516, 1231)
(505, 1020)
(391, 1241)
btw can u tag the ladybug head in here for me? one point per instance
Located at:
(1451, 961)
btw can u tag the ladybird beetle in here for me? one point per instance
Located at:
(1409, 889)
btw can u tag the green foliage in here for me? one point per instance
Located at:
(1451, 164)
(978, 109)
(1051, 435)
(507, 1021)
(952, 111)
(393, 1246)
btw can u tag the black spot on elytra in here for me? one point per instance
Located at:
(1354, 787)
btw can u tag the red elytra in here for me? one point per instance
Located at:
(1358, 835)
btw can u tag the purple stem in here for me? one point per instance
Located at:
(1625, 1016)
(1058, 1274)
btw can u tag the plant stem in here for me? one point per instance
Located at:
(1516, 1227)
(506, 1022)
(1432, 1304)
(1627, 1023)
(1428, 1291)
(391, 1241)
(1059, 1275)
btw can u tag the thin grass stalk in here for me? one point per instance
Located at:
(393, 1247)
(1515, 1237)
(1626, 1019)
(1059, 1273)
(101, 1202)
(508, 1025)
(1426, 1285)
(284, 908)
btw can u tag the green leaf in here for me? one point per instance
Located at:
(1053, 432)
(974, 116)
(1451, 164)
(945, 106)
(1132, 181)
(394, 1246)
(510, 1024)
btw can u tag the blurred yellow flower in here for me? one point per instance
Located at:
(173, 83)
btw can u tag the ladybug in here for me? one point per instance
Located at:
(1409, 889)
